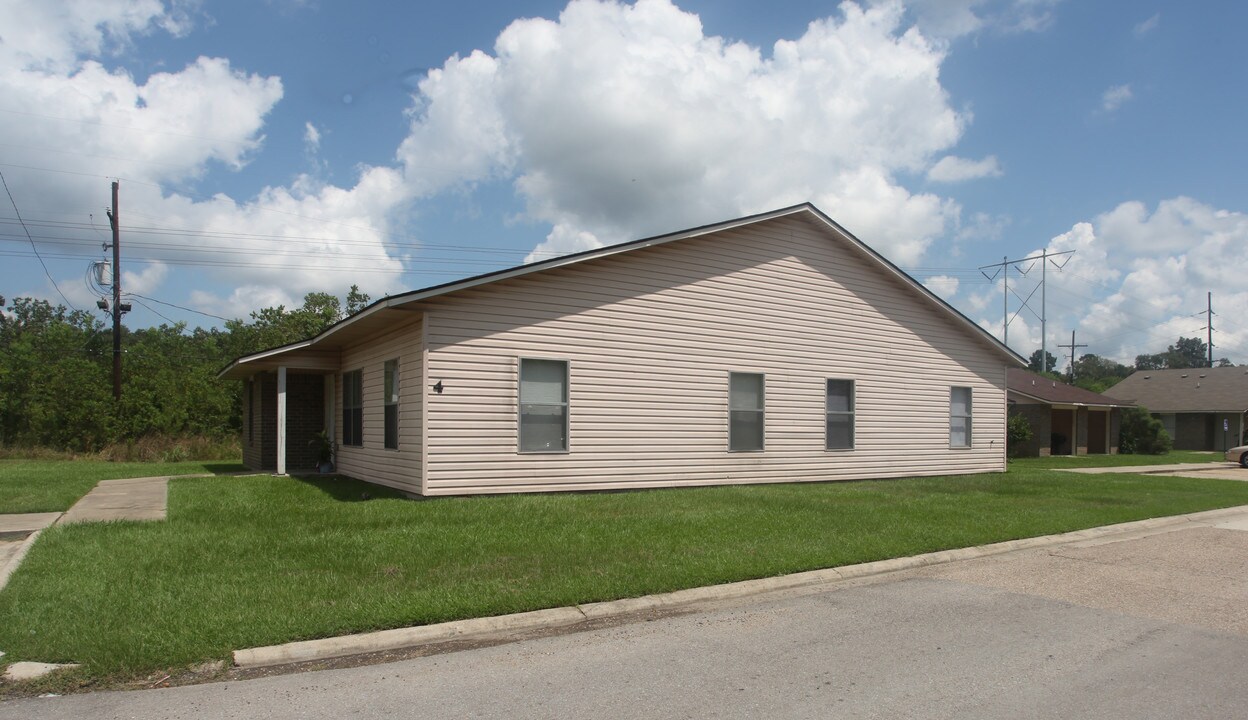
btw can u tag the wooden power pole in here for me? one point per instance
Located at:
(116, 223)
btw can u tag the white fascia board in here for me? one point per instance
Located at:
(264, 354)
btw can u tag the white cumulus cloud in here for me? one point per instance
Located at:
(1138, 281)
(951, 169)
(159, 134)
(618, 121)
(1114, 97)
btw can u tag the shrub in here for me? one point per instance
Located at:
(1017, 433)
(1143, 434)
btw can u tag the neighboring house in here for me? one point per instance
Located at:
(771, 348)
(1201, 408)
(1065, 420)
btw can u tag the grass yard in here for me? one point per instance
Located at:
(28, 486)
(1057, 462)
(258, 560)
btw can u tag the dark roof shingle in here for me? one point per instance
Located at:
(1055, 392)
(1221, 389)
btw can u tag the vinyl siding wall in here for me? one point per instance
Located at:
(651, 336)
(372, 461)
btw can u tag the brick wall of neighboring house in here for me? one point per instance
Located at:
(1191, 431)
(1038, 417)
(251, 437)
(305, 418)
(260, 443)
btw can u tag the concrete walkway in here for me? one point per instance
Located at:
(1219, 470)
(129, 499)
(17, 534)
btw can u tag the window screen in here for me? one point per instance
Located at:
(745, 411)
(840, 412)
(960, 417)
(353, 408)
(390, 392)
(543, 405)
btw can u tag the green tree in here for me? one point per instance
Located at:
(1050, 362)
(1098, 374)
(1186, 353)
(1142, 434)
(356, 300)
(1017, 431)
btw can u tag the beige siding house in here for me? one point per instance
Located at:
(772, 348)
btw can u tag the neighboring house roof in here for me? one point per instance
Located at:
(364, 322)
(1193, 390)
(1054, 392)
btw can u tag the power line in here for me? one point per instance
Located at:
(162, 302)
(152, 309)
(18, 213)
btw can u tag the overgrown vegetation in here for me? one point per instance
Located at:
(1142, 433)
(259, 560)
(56, 376)
(1017, 432)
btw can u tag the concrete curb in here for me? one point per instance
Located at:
(505, 626)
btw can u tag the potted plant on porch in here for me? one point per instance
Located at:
(324, 452)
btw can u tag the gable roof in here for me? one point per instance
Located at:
(1220, 389)
(1054, 392)
(368, 320)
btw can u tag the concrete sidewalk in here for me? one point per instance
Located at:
(17, 533)
(128, 499)
(1220, 470)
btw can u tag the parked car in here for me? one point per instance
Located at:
(1239, 455)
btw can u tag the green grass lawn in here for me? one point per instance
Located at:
(258, 560)
(1173, 457)
(28, 486)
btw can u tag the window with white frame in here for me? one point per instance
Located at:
(390, 390)
(959, 417)
(745, 411)
(353, 408)
(840, 415)
(543, 405)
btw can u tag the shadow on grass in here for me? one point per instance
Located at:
(223, 468)
(345, 489)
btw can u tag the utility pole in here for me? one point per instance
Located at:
(1210, 326)
(1045, 258)
(1005, 301)
(1072, 347)
(116, 223)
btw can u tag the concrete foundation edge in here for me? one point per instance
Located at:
(504, 626)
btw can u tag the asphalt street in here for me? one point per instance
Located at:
(1146, 626)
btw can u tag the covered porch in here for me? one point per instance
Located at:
(287, 405)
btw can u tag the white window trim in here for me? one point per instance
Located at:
(852, 413)
(387, 401)
(360, 404)
(970, 418)
(761, 410)
(567, 408)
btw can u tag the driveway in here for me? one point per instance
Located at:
(1147, 626)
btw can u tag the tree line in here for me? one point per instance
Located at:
(1098, 374)
(56, 372)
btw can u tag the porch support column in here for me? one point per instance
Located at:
(281, 420)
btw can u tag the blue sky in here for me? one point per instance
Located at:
(269, 149)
